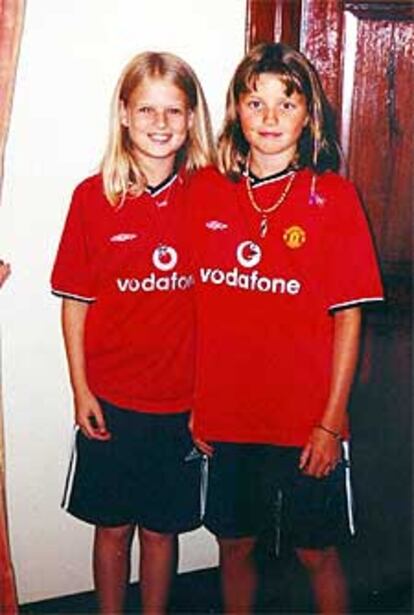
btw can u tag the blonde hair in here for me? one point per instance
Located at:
(317, 147)
(121, 173)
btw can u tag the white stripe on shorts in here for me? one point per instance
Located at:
(195, 453)
(71, 470)
(348, 487)
(203, 485)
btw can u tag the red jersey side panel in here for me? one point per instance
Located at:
(265, 305)
(132, 264)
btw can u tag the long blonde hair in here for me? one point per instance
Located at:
(121, 174)
(318, 146)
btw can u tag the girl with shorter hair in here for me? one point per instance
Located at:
(285, 261)
(123, 272)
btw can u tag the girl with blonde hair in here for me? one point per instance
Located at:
(123, 272)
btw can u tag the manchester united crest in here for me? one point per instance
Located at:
(294, 237)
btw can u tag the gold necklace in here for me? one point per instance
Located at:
(265, 211)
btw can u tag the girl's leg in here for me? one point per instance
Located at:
(327, 579)
(238, 574)
(158, 563)
(111, 565)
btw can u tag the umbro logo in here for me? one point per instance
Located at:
(216, 225)
(123, 237)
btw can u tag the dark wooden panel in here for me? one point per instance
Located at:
(260, 22)
(369, 155)
(273, 20)
(397, 239)
(290, 21)
(381, 133)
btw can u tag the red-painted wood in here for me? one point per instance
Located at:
(321, 42)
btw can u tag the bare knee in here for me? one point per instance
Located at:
(119, 536)
(317, 560)
(236, 548)
(155, 540)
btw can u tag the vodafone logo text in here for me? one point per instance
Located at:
(252, 281)
(153, 283)
(249, 254)
(164, 258)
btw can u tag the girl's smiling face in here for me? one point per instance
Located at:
(272, 122)
(158, 118)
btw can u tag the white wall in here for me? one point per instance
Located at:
(71, 55)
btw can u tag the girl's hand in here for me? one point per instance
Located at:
(321, 454)
(202, 446)
(89, 417)
(4, 271)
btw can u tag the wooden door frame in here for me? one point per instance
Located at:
(280, 20)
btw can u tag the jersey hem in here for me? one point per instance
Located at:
(345, 304)
(139, 405)
(296, 440)
(65, 295)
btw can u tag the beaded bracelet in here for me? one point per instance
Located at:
(334, 434)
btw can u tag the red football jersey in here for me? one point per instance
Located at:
(132, 265)
(264, 305)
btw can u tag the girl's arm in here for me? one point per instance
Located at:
(88, 413)
(323, 451)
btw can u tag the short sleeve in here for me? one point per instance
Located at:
(353, 275)
(72, 271)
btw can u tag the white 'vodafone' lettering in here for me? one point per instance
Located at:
(250, 281)
(152, 283)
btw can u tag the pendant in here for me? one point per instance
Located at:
(263, 227)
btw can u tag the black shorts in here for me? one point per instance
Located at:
(258, 490)
(145, 474)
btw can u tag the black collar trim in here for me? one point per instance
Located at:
(166, 183)
(262, 181)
